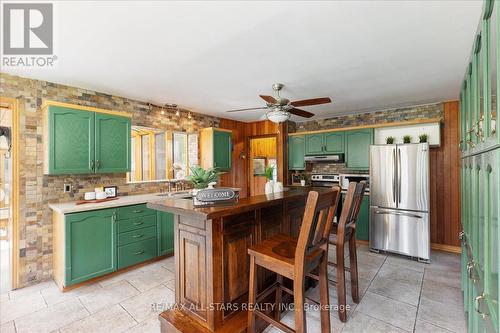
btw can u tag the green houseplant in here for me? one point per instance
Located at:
(389, 140)
(200, 178)
(423, 138)
(268, 172)
(407, 139)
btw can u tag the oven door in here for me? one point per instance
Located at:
(400, 231)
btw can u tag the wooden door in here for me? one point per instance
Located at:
(357, 149)
(261, 148)
(113, 143)
(90, 245)
(296, 152)
(71, 141)
(315, 144)
(222, 150)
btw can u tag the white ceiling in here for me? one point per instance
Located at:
(218, 55)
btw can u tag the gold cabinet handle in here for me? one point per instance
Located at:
(92, 164)
(138, 252)
(97, 164)
(138, 236)
(477, 304)
(138, 211)
(138, 223)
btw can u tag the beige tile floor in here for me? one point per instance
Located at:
(398, 295)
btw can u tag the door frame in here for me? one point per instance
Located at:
(15, 105)
(249, 160)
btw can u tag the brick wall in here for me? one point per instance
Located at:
(37, 189)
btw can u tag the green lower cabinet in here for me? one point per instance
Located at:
(357, 148)
(165, 228)
(137, 252)
(90, 245)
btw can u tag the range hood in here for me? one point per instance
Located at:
(334, 158)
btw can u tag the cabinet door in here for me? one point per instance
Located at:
(90, 245)
(165, 227)
(314, 144)
(357, 149)
(334, 142)
(222, 150)
(363, 222)
(71, 141)
(296, 151)
(112, 143)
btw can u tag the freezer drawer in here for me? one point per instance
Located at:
(399, 231)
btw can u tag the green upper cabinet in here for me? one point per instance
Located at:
(70, 147)
(325, 143)
(216, 148)
(112, 137)
(222, 150)
(165, 227)
(314, 144)
(90, 239)
(80, 140)
(296, 152)
(334, 142)
(357, 148)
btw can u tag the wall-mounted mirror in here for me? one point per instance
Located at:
(159, 155)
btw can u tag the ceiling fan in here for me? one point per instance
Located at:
(280, 108)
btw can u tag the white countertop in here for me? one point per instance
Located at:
(72, 207)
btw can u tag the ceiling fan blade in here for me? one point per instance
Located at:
(248, 109)
(312, 101)
(268, 99)
(301, 113)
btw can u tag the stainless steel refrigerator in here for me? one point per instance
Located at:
(399, 199)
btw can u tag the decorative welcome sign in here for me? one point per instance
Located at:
(215, 197)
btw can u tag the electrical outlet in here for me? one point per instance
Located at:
(67, 188)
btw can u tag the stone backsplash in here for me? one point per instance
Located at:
(37, 189)
(427, 111)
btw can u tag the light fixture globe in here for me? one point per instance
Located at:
(278, 115)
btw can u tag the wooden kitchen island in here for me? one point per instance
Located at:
(211, 260)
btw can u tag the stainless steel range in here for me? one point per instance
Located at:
(325, 180)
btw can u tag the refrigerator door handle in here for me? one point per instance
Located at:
(382, 212)
(394, 175)
(399, 175)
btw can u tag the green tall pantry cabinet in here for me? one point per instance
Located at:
(480, 176)
(81, 140)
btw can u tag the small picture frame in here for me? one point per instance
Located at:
(259, 165)
(111, 191)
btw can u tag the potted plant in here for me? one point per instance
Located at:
(200, 178)
(407, 139)
(423, 138)
(303, 179)
(389, 140)
(268, 173)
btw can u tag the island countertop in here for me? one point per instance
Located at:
(186, 207)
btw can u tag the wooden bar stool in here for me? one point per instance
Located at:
(342, 232)
(295, 259)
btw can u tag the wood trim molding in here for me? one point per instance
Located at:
(46, 104)
(15, 106)
(216, 129)
(388, 124)
(446, 248)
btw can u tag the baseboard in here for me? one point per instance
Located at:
(446, 248)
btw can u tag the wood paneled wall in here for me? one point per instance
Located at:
(238, 176)
(445, 181)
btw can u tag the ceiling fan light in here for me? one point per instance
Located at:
(278, 115)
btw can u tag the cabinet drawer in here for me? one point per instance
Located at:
(136, 252)
(136, 223)
(129, 212)
(136, 235)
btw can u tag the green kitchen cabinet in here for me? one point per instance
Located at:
(90, 245)
(296, 152)
(222, 150)
(70, 148)
(165, 227)
(314, 144)
(79, 141)
(357, 148)
(113, 143)
(325, 143)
